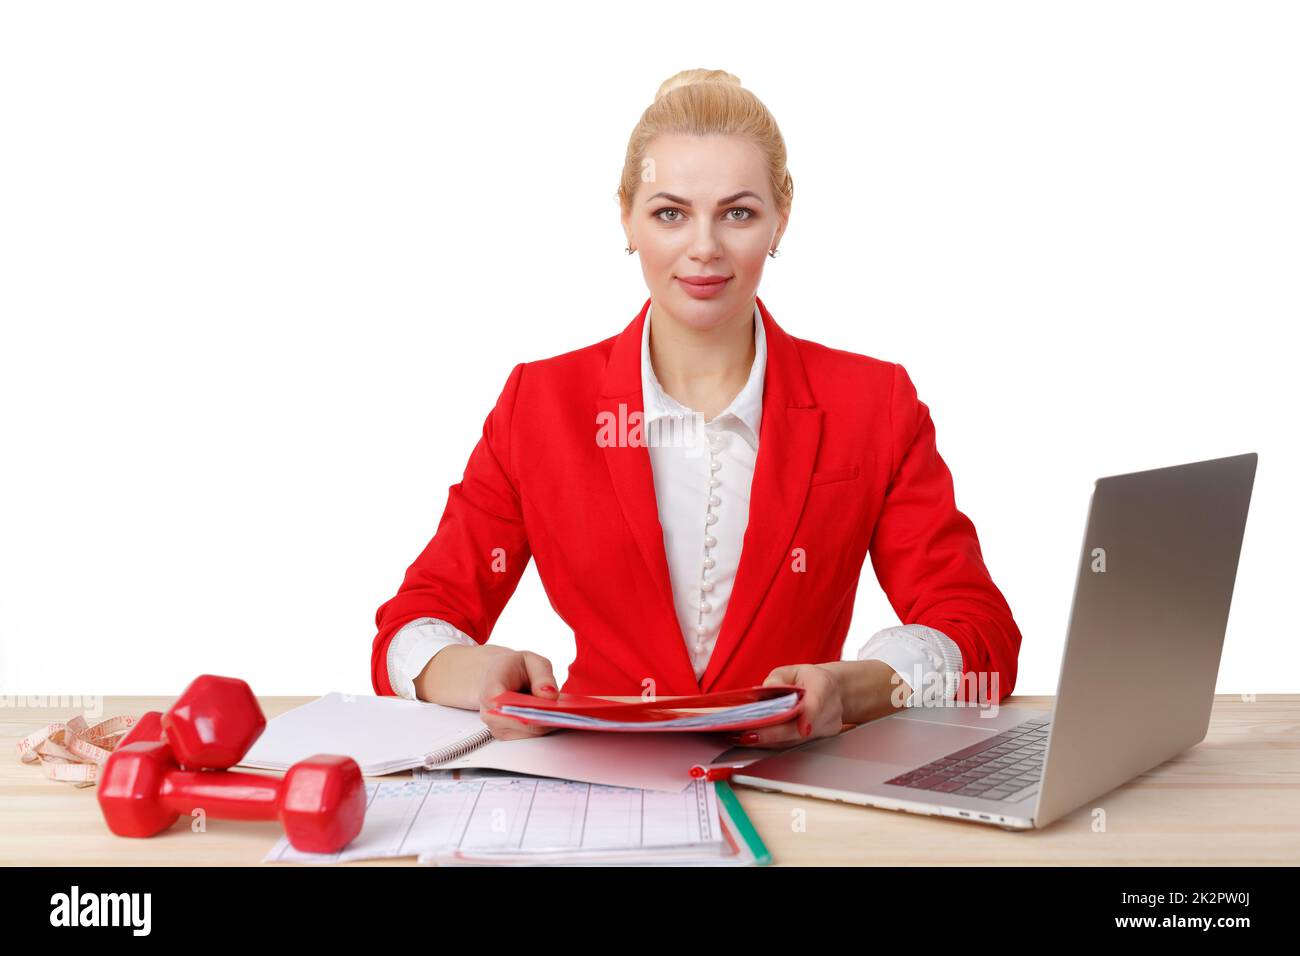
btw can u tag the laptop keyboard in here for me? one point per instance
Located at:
(1006, 767)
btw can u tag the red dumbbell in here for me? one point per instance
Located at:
(321, 801)
(213, 723)
(148, 727)
(211, 726)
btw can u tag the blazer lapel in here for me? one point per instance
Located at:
(787, 448)
(633, 480)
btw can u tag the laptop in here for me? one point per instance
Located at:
(1135, 688)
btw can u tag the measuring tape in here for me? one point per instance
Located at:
(73, 751)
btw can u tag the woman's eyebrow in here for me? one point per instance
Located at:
(721, 202)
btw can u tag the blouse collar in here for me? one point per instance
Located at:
(746, 409)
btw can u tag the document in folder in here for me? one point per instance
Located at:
(744, 708)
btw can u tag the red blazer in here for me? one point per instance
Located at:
(847, 464)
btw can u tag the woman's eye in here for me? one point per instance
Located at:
(661, 212)
(749, 213)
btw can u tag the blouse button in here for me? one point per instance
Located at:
(709, 541)
(706, 607)
(701, 630)
(708, 562)
(710, 519)
(715, 465)
(714, 500)
(713, 482)
(706, 586)
(699, 648)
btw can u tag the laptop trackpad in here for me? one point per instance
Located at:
(897, 740)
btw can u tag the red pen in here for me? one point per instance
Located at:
(718, 771)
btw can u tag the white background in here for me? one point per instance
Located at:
(265, 267)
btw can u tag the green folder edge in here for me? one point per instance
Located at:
(762, 857)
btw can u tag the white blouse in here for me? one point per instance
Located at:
(704, 469)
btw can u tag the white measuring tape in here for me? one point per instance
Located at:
(73, 751)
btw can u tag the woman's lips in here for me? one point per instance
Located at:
(703, 288)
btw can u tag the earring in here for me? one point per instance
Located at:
(628, 250)
(773, 253)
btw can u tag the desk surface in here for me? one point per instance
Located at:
(1230, 800)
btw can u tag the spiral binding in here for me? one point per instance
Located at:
(431, 760)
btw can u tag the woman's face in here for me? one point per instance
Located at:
(704, 208)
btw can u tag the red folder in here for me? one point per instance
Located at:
(654, 710)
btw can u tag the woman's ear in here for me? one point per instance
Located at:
(626, 219)
(780, 230)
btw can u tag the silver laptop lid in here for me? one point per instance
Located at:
(1147, 621)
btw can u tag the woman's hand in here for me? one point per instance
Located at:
(835, 693)
(820, 715)
(521, 671)
(469, 677)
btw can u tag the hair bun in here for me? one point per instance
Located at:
(717, 104)
(688, 77)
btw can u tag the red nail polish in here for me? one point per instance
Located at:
(546, 687)
(749, 738)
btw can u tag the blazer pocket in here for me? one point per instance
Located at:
(828, 475)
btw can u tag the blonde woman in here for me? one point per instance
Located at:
(701, 489)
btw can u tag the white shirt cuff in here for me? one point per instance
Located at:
(928, 660)
(414, 646)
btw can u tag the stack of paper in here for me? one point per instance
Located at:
(745, 714)
(741, 708)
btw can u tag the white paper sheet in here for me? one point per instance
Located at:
(501, 818)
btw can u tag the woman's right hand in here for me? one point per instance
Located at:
(508, 670)
(470, 676)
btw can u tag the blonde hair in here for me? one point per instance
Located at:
(701, 103)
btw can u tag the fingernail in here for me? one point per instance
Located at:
(749, 738)
(547, 687)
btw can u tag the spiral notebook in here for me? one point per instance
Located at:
(382, 734)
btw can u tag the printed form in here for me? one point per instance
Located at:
(441, 816)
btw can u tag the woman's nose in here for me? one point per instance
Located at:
(704, 242)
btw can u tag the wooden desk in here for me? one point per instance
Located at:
(1232, 799)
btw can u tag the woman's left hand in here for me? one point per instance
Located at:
(820, 716)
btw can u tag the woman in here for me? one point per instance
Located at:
(700, 490)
